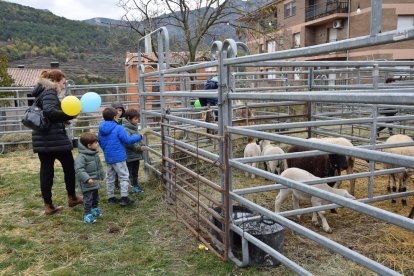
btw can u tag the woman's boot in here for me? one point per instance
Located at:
(50, 209)
(74, 200)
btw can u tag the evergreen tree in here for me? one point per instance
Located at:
(5, 78)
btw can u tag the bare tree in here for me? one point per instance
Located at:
(197, 20)
(262, 24)
(142, 16)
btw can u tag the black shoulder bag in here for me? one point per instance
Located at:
(34, 118)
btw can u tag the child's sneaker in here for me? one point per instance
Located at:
(113, 200)
(89, 218)
(137, 189)
(96, 212)
(125, 201)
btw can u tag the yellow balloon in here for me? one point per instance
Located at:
(71, 105)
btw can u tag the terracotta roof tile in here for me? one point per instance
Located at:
(24, 77)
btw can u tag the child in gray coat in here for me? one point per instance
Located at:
(89, 173)
(134, 151)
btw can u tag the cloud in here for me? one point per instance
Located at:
(76, 9)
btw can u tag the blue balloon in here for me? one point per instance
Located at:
(91, 101)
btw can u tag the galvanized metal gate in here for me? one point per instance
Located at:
(203, 201)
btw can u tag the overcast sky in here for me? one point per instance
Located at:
(76, 9)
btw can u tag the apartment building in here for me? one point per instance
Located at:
(292, 23)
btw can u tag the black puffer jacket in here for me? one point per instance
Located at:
(55, 138)
(210, 84)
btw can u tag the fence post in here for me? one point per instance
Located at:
(309, 105)
(373, 137)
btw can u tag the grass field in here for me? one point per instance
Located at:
(141, 240)
(147, 240)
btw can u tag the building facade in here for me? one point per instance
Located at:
(292, 23)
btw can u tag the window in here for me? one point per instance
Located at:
(271, 46)
(297, 76)
(261, 48)
(290, 9)
(211, 69)
(296, 40)
(405, 21)
(271, 76)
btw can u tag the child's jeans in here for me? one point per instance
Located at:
(133, 168)
(90, 200)
(121, 170)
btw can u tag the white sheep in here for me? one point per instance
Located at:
(274, 166)
(403, 177)
(252, 150)
(301, 176)
(350, 159)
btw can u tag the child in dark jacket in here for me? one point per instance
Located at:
(112, 138)
(134, 151)
(120, 111)
(89, 174)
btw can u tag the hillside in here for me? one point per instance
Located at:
(35, 37)
(91, 50)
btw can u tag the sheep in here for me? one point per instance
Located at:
(320, 165)
(404, 176)
(350, 159)
(274, 166)
(252, 150)
(301, 176)
(411, 215)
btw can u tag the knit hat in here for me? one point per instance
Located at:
(119, 105)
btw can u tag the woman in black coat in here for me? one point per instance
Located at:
(54, 143)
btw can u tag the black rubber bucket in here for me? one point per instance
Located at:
(239, 212)
(269, 232)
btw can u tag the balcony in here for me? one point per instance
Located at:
(326, 8)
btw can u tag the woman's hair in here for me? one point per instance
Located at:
(53, 75)
(109, 113)
(131, 113)
(88, 138)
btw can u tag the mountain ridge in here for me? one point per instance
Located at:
(93, 47)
